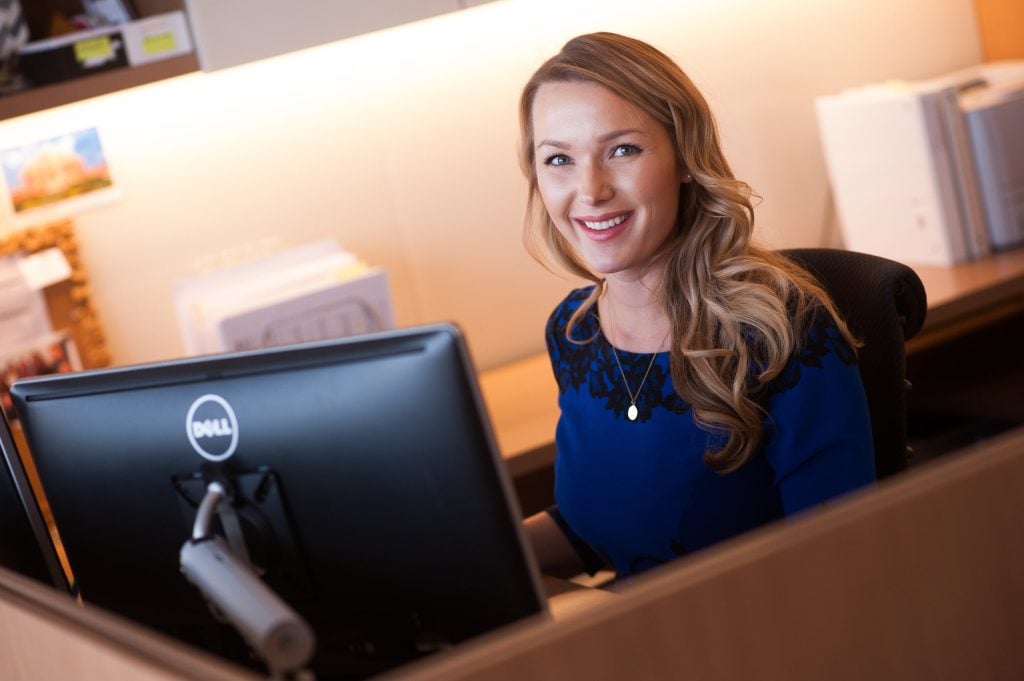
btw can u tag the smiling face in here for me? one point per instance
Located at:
(607, 175)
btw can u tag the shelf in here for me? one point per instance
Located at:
(48, 96)
(76, 89)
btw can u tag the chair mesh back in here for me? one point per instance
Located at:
(884, 304)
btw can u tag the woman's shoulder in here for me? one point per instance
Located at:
(819, 334)
(820, 345)
(559, 317)
(558, 320)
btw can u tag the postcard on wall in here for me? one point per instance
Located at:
(52, 353)
(23, 313)
(57, 177)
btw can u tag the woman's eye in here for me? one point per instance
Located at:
(556, 160)
(625, 150)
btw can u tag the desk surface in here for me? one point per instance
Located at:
(522, 396)
(969, 295)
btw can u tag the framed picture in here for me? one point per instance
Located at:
(57, 175)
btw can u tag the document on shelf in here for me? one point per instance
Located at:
(24, 316)
(311, 292)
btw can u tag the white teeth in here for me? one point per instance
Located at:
(606, 224)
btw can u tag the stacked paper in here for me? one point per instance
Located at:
(312, 292)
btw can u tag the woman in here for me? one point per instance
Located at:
(707, 386)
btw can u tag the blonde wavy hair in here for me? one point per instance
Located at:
(738, 311)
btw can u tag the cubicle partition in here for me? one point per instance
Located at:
(919, 579)
(47, 636)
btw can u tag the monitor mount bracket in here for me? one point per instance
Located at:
(271, 628)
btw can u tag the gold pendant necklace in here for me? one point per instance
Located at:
(632, 413)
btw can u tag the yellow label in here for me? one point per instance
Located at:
(94, 48)
(350, 271)
(158, 43)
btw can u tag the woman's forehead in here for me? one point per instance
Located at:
(580, 107)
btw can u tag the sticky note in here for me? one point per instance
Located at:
(159, 43)
(94, 48)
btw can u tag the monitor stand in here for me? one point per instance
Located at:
(274, 631)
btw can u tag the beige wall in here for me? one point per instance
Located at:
(402, 145)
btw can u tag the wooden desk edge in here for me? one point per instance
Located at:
(965, 296)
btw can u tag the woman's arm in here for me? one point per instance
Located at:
(818, 435)
(555, 553)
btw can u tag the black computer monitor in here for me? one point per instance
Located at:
(369, 490)
(25, 542)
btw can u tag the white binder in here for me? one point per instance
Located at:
(904, 167)
(995, 122)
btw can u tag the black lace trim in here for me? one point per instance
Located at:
(592, 364)
(822, 337)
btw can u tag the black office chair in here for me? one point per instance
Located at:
(884, 304)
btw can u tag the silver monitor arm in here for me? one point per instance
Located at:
(272, 629)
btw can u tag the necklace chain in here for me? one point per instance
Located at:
(632, 413)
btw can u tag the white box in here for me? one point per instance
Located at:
(347, 308)
(157, 37)
(894, 174)
(311, 292)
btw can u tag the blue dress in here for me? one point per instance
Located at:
(634, 494)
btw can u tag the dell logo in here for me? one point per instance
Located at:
(212, 427)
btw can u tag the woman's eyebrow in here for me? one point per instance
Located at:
(606, 137)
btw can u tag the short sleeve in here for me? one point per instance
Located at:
(818, 430)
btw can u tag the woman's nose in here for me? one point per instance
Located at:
(594, 185)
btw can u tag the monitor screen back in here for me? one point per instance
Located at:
(25, 543)
(369, 491)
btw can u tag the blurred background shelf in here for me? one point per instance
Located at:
(48, 96)
(44, 96)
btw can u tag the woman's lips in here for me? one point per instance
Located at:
(605, 226)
